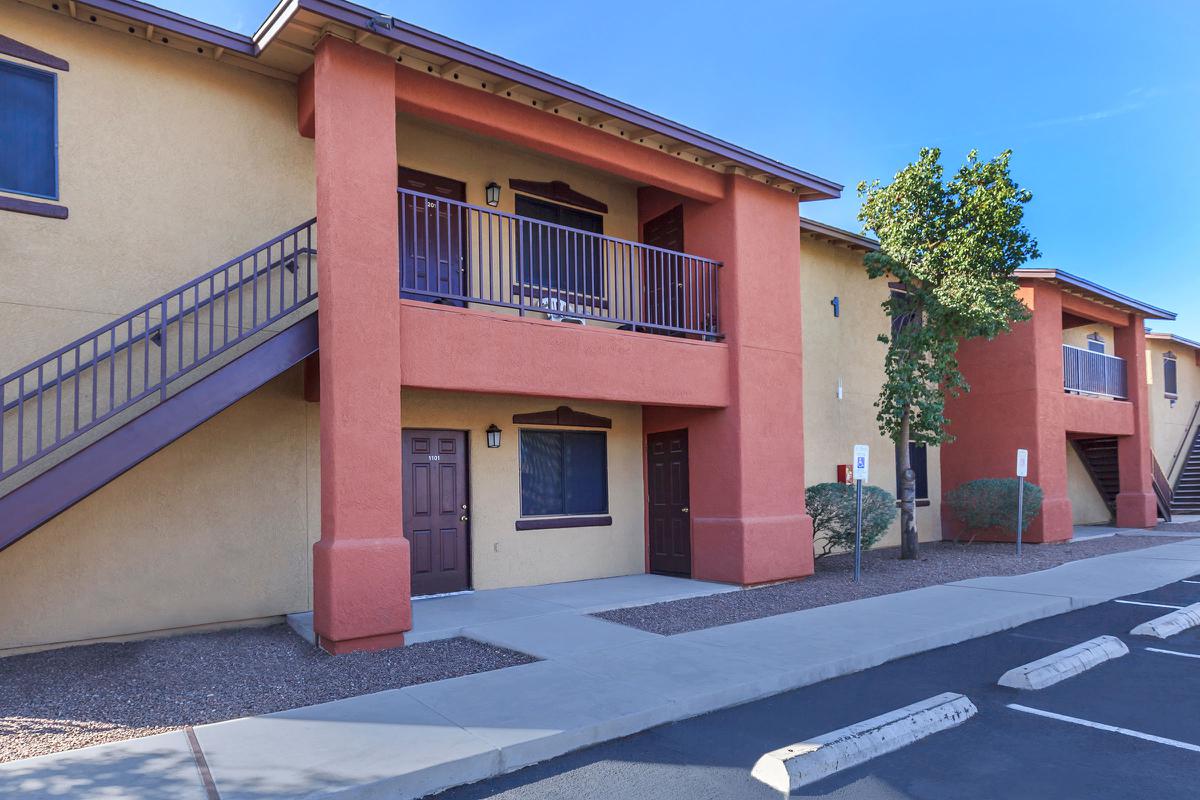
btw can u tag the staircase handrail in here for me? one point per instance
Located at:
(1186, 439)
(33, 384)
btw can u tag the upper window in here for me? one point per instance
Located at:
(28, 131)
(1170, 375)
(563, 472)
(560, 264)
(1095, 343)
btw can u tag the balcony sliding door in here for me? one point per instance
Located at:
(559, 268)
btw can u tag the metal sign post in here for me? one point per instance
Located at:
(862, 459)
(1022, 471)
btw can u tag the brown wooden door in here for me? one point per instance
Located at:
(432, 238)
(435, 510)
(670, 516)
(662, 273)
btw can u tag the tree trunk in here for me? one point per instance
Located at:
(909, 541)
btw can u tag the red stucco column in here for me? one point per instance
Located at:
(1136, 505)
(1015, 402)
(361, 564)
(746, 461)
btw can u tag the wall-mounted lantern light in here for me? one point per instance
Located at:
(492, 194)
(493, 435)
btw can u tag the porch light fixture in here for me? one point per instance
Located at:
(493, 434)
(492, 191)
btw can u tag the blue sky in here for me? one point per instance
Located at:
(1100, 101)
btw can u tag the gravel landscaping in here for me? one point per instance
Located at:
(79, 696)
(883, 573)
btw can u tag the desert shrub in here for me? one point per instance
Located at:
(831, 506)
(992, 503)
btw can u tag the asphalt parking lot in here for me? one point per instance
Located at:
(1001, 752)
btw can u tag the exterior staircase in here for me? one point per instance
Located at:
(1186, 496)
(1099, 457)
(77, 418)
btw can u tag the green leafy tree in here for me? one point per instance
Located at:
(952, 245)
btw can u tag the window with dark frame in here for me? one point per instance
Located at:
(565, 265)
(917, 453)
(918, 457)
(563, 473)
(1095, 343)
(28, 131)
(1170, 376)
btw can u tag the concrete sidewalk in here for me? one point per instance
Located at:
(599, 681)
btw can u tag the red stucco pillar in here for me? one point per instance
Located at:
(749, 524)
(1136, 506)
(1015, 402)
(361, 563)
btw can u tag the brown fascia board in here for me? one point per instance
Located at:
(350, 14)
(1074, 281)
(857, 241)
(396, 30)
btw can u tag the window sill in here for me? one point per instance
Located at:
(545, 523)
(16, 205)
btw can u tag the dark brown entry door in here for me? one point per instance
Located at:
(435, 510)
(663, 272)
(670, 517)
(432, 238)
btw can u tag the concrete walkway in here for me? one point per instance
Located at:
(599, 681)
(467, 613)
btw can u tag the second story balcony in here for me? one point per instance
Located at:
(458, 254)
(1095, 374)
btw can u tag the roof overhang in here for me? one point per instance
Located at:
(284, 45)
(1093, 291)
(1176, 339)
(838, 236)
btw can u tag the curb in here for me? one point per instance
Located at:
(1064, 664)
(789, 768)
(1170, 624)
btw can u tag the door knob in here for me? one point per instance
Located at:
(463, 518)
(685, 509)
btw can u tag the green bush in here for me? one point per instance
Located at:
(831, 506)
(992, 503)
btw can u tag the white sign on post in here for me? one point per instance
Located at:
(862, 459)
(1022, 463)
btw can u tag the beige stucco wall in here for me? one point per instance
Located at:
(1087, 506)
(1078, 336)
(845, 350)
(500, 554)
(1169, 420)
(214, 528)
(169, 163)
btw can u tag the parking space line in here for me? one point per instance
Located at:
(1152, 605)
(1189, 581)
(1171, 652)
(1149, 737)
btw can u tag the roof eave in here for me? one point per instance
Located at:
(401, 32)
(1145, 309)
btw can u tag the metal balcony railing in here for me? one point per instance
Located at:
(76, 388)
(459, 254)
(1097, 374)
